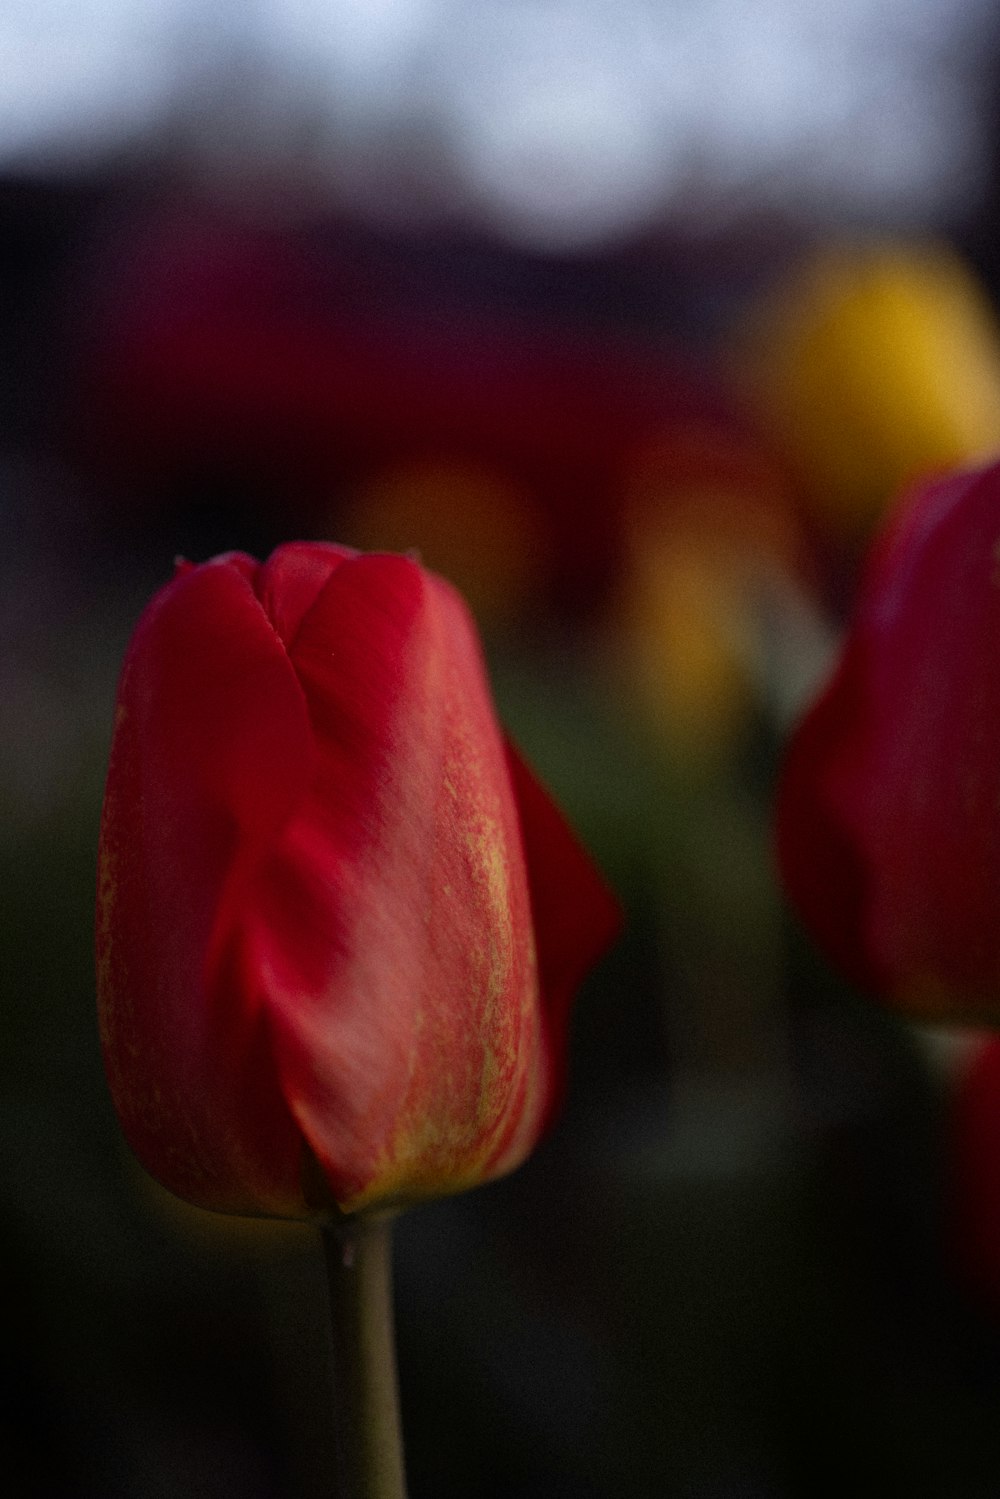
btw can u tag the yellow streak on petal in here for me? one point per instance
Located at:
(439, 1150)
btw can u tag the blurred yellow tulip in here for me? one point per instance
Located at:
(874, 366)
(688, 645)
(714, 554)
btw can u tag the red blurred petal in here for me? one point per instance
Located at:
(575, 914)
(211, 752)
(895, 772)
(821, 864)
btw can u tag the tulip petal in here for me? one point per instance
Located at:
(888, 826)
(575, 914)
(392, 926)
(290, 581)
(820, 862)
(211, 752)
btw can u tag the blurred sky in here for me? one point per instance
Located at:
(560, 123)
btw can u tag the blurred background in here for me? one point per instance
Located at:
(634, 318)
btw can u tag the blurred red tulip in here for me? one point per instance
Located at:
(875, 365)
(339, 923)
(888, 818)
(314, 370)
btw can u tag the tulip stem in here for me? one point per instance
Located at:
(366, 1392)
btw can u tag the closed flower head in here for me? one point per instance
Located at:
(339, 922)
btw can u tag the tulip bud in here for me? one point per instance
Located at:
(888, 819)
(877, 366)
(339, 923)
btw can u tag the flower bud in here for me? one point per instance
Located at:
(339, 923)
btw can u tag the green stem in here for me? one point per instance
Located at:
(366, 1393)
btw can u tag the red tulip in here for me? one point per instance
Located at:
(889, 809)
(339, 923)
